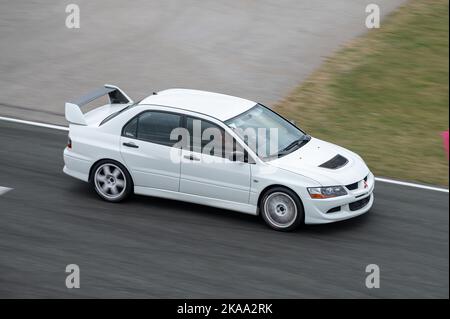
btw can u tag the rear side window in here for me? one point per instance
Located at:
(154, 127)
(130, 130)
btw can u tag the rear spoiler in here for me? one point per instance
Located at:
(73, 109)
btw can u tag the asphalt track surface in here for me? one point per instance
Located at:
(150, 247)
(258, 50)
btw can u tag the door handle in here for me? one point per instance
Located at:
(191, 157)
(130, 145)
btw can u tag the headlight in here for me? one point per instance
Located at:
(326, 192)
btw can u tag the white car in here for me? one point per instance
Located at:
(278, 172)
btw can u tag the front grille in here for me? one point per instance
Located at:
(355, 185)
(335, 163)
(352, 186)
(359, 204)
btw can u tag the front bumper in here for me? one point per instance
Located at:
(355, 203)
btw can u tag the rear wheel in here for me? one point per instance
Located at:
(111, 181)
(281, 209)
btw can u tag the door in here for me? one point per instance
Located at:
(146, 147)
(206, 169)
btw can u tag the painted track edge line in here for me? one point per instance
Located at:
(51, 126)
(431, 188)
(378, 179)
(4, 190)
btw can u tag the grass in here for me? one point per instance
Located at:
(386, 95)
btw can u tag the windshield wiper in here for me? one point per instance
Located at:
(297, 143)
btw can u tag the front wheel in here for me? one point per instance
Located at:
(111, 181)
(281, 209)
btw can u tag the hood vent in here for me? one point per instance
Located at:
(336, 162)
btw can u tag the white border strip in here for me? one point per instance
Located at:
(55, 127)
(4, 190)
(391, 181)
(378, 179)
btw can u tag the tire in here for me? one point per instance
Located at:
(281, 209)
(111, 181)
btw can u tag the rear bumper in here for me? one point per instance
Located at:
(320, 211)
(76, 166)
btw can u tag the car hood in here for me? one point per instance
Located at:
(306, 161)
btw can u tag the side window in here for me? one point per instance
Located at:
(209, 138)
(130, 130)
(199, 129)
(155, 127)
(152, 126)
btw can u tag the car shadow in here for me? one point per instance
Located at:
(337, 227)
(142, 205)
(191, 208)
(246, 220)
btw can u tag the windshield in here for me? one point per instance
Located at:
(267, 133)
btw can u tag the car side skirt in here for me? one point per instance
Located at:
(239, 207)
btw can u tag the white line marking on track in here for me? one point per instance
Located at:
(379, 179)
(4, 190)
(55, 127)
(391, 181)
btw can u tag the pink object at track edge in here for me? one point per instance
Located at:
(445, 139)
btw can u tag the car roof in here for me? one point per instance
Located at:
(219, 106)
